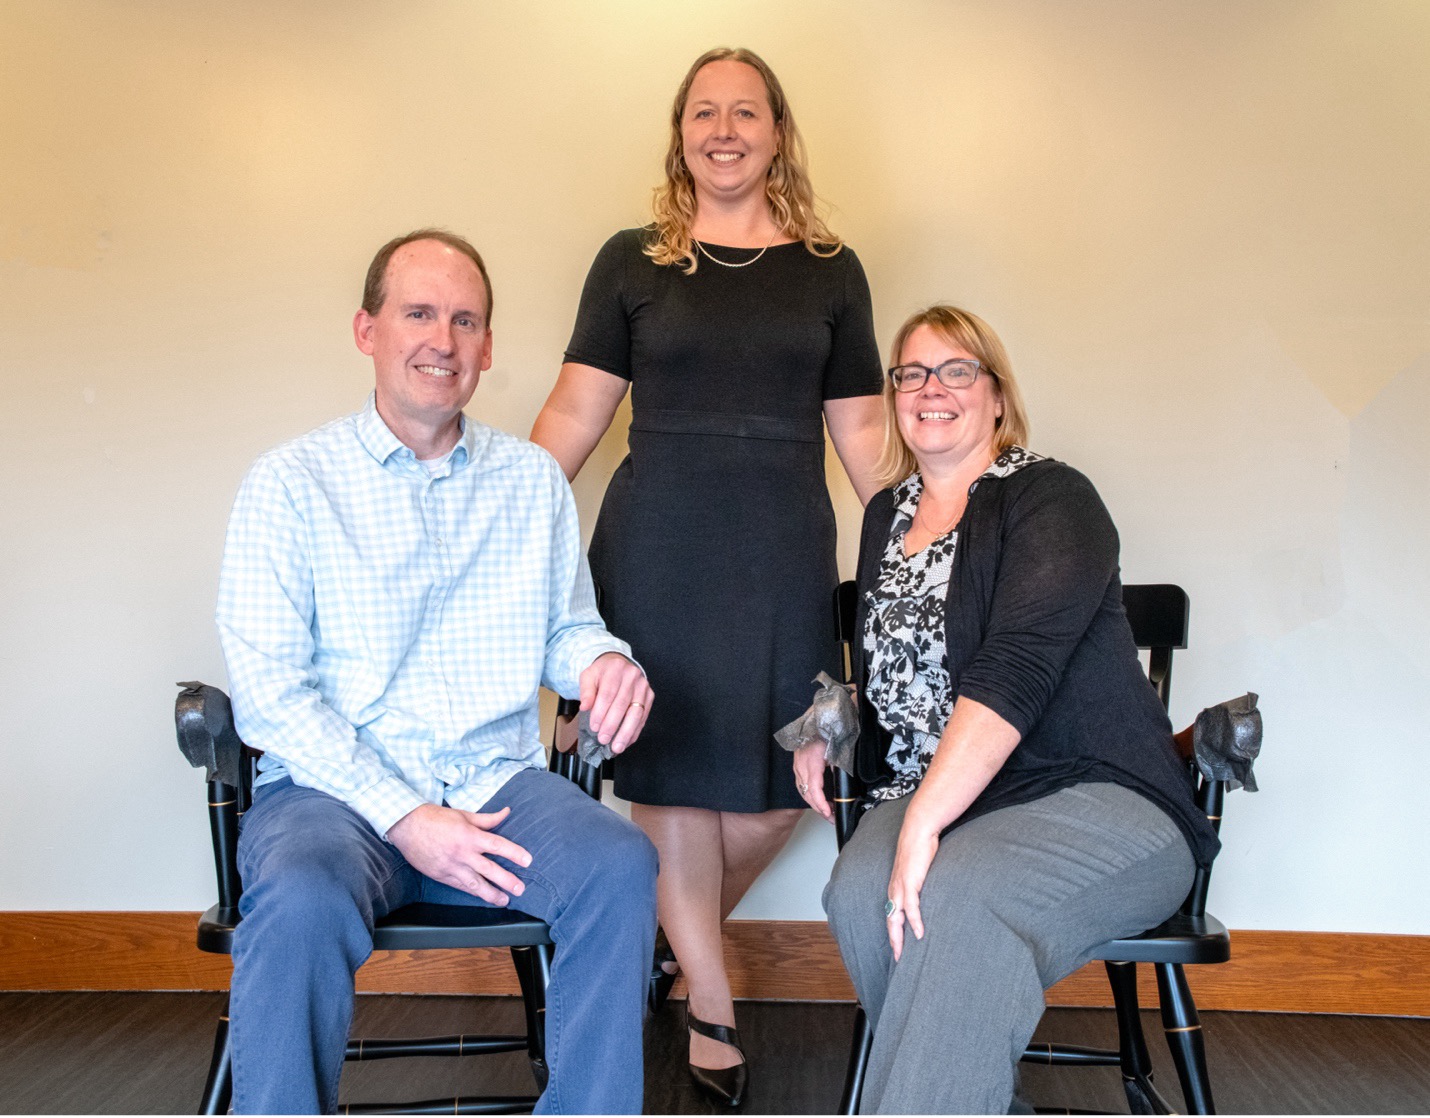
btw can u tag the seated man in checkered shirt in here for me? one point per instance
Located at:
(396, 587)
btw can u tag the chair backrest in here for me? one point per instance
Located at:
(1159, 614)
(585, 776)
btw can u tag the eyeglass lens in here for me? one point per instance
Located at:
(958, 373)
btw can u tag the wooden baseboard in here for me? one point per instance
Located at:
(790, 960)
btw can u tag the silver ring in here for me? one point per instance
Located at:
(804, 789)
(891, 910)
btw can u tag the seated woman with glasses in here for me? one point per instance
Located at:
(1026, 800)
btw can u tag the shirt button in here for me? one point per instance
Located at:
(439, 541)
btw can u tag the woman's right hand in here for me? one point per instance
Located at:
(809, 778)
(918, 843)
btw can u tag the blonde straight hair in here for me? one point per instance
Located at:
(969, 332)
(787, 186)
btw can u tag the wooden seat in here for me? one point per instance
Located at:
(1159, 615)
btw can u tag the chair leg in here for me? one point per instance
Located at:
(218, 1087)
(1184, 1037)
(859, 1048)
(533, 972)
(1133, 1058)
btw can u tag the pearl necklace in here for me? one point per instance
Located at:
(744, 263)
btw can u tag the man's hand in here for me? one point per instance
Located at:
(618, 697)
(456, 847)
(809, 777)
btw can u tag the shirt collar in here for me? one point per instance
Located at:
(379, 441)
(376, 437)
(472, 444)
(1010, 461)
(906, 496)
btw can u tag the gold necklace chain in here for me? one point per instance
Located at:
(744, 263)
(929, 528)
(923, 492)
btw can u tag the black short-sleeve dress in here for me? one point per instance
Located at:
(714, 549)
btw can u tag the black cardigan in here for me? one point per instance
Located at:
(1036, 631)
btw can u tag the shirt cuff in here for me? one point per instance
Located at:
(580, 655)
(384, 803)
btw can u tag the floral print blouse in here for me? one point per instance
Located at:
(904, 637)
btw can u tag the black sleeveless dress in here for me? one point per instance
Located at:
(714, 549)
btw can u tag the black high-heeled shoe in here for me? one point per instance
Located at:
(724, 1086)
(662, 980)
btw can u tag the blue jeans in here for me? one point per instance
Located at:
(316, 877)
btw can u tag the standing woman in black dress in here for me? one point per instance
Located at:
(741, 326)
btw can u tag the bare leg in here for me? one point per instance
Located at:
(750, 843)
(708, 859)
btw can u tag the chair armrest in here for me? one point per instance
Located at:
(1183, 741)
(845, 802)
(203, 721)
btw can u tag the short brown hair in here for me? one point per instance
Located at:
(374, 289)
(969, 332)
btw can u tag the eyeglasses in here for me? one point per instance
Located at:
(961, 372)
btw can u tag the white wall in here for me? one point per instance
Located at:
(1199, 226)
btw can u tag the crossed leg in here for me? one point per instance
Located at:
(708, 861)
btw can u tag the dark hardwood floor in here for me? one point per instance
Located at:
(147, 1054)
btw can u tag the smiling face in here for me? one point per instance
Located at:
(728, 131)
(945, 426)
(429, 343)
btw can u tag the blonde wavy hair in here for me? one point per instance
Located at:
(967, 331)
(787, 186)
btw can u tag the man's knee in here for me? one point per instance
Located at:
(306, 905)
(627, 859)
(311, 870)
(616, 873)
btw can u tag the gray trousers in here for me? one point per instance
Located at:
(1015, 900)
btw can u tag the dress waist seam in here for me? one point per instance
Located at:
(665, 421)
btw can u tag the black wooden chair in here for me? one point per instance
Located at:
(204, 721)
(1158, 614)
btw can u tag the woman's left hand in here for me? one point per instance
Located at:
(918, 843)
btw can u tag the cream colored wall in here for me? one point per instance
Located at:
(1199, 226)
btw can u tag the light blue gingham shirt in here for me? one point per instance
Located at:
(387, 629)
